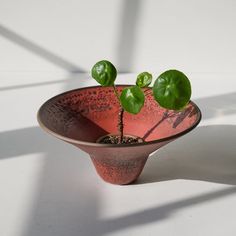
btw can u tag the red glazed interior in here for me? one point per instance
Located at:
(84, 115)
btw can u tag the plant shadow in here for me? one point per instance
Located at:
(207, 154)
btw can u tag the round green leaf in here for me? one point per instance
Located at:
(144, 79)
(172, 90)
(132, 99)
(104, 72)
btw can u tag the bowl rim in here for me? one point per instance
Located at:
(94, 144)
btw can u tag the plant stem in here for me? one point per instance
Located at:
(116, 93)
(120, 125)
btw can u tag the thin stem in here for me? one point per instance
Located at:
(120, 125)
(116, 93)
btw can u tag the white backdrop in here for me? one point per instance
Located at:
(136, 35)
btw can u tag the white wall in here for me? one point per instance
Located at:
(195, 36)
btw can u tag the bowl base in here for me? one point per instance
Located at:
(119, 172)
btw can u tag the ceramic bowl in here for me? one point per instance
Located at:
(82, 116)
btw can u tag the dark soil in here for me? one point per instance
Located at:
(114, 139)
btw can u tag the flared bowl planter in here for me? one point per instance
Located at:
(82, 116)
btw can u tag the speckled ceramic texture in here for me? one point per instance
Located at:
(81, 116)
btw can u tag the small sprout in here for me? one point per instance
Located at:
(132, 99)
(144, 79)
(172, 90)
(104, 72)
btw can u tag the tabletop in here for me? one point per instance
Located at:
(50, 188)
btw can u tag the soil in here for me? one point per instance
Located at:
(114, 139)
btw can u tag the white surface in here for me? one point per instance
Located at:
(50, 188)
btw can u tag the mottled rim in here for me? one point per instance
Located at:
(79, 142)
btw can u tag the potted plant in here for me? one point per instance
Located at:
(120, 125)
(171, 90)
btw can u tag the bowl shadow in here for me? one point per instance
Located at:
(207, 154)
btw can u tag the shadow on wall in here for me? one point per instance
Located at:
(125, 47)
(127, 34)
(38, 50)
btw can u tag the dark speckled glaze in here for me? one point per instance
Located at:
(83, 115)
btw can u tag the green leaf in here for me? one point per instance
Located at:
(172, 90)
(132, 99)
(144, 79)
(104, 72)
